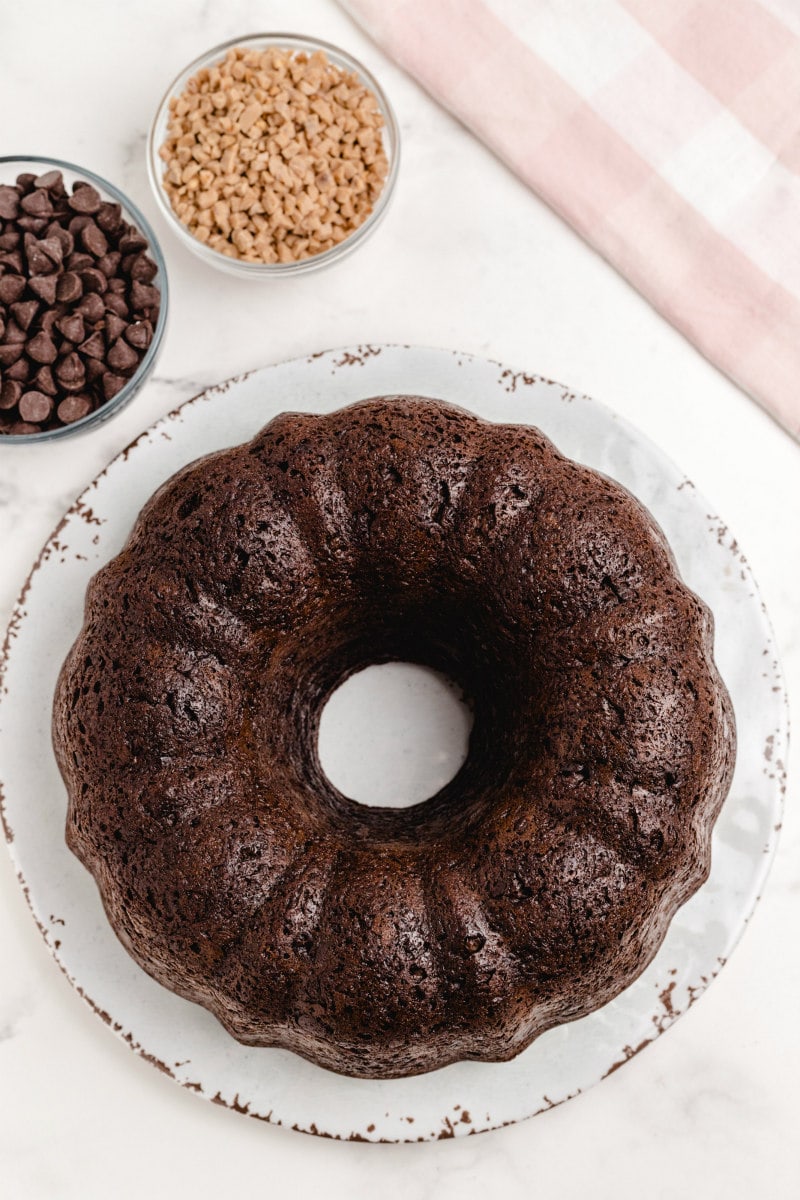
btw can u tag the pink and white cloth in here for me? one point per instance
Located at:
(666, 132)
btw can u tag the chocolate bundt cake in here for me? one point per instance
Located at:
(380, 942)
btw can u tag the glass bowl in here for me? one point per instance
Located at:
(10, 167)
(234, 266)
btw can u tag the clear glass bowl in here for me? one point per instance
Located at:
(10, 167)
(234, 266)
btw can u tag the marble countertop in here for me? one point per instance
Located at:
(467, 258)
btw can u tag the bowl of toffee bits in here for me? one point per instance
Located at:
(274, 154)
(83, 300)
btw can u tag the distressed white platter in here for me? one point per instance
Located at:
(275, 1085)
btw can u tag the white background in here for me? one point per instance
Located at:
(467, 258)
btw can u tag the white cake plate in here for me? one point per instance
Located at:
(275, 1085)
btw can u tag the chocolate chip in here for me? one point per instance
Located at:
(71, 373)
(122, 357)
(73, 408)
(109, 217)
(143, 269)
(143, 295)
(94, 368)
(42, 349)
(14, 333)
(79, 261)
(37, 203)
(29, 224)
(44, 382)
(52, 180)
(43, 257)
(114, 327)
(9, 202)
(23, 312)
(35, 406)
(139, 334)
(109, 263)
(116, 304)
(12, 261)
(117, 285)
(53, 249)
(44, 286)
(92, 307)
(20, 427)
(85, 200)
(10, 393)
(78, 224)
(11, 288)
(63, 236)
(10, 352)
(132, 242)
(19, 371)
(10, 239)
(71, 327)
(48, 319)
(26, 181)
(94, 240)
(112, 384)
(69, 287)
(93, 280)
(94, 346)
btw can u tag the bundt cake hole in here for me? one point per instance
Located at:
(393, 734)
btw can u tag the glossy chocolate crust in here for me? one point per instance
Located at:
(379, 942)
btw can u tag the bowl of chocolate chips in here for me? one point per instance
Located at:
(83, 299)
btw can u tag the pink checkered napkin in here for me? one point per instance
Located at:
(666, 132)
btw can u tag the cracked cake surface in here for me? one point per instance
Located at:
(538, 883)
